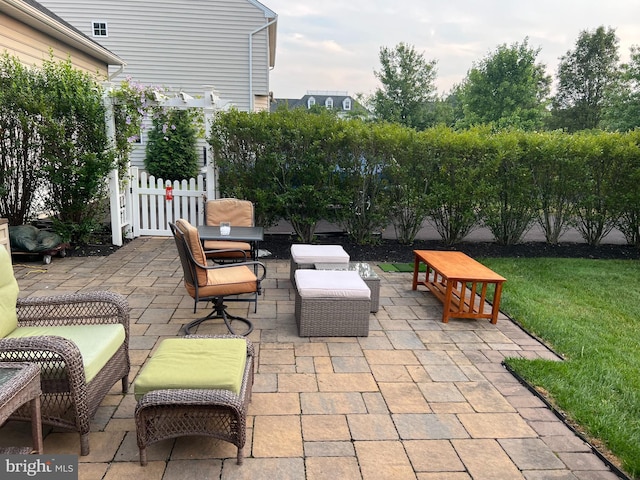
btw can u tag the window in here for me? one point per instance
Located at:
(328, 102)
(346, 104)
(311, 102)
(100, 29)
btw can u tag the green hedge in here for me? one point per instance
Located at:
(305, 167)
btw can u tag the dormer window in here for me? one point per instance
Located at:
(328, 102)
(311, 102)
(346, 104)
(100, 29)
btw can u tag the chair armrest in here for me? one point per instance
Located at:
(87, 308)
(240, 264)
(54, 355)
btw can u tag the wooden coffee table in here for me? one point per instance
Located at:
(459, 282)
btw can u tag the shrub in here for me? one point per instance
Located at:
(510, 204)
(171, 150)
(595, 208)
(554, 171)
(363, 181)
(455, 181)
(76, 157)
(407, 190)
(20, 142)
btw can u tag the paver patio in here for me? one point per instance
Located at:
(416, 399)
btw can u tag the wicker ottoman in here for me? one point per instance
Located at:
(366, 273)
(177, 395)
(331, 303)
(306, 256)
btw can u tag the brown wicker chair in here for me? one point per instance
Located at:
(68, 401)
(214, 283)
(240, 214)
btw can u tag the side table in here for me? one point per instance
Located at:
(366, 273)
(20, 384)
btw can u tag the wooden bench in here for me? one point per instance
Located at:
(459, 282)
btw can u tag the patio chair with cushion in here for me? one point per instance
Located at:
(217, 282)
(80, 341)
(239, 213)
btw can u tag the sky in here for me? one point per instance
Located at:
(332, 45)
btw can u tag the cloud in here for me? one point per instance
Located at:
(321, 44)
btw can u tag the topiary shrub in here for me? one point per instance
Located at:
(171, 150)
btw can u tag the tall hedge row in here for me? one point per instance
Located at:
(305, 167)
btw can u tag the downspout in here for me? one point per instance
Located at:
(259, 29)
(116, 73)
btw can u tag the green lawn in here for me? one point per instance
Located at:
(589, 312)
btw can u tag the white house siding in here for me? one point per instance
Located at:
(189, 46)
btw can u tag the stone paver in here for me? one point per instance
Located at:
(416, 399)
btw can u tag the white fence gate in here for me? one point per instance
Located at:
(152, 208)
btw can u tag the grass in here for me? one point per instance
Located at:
(589, 312)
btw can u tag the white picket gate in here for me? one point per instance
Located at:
(152, 210)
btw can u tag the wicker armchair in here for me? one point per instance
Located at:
(68, 399)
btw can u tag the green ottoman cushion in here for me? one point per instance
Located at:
(194, 363)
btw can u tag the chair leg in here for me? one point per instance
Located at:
(219, 311)
(84, 444)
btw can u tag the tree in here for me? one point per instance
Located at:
(622, 111)
(585, 76)
(507, 88)
(407, 86)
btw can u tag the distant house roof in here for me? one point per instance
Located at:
(339, 101)
(44, 20)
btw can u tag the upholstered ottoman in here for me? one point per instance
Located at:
(195, 385)
(331, 303)
(306, 256)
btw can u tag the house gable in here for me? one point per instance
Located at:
(30, 32)
(194, 46)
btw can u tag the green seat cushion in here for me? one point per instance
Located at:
(194, 363)
(8, 294)
(97, 343)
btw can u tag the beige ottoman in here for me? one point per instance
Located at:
(306, 256)
(331, 303)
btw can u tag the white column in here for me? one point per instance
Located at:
(114, 184)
